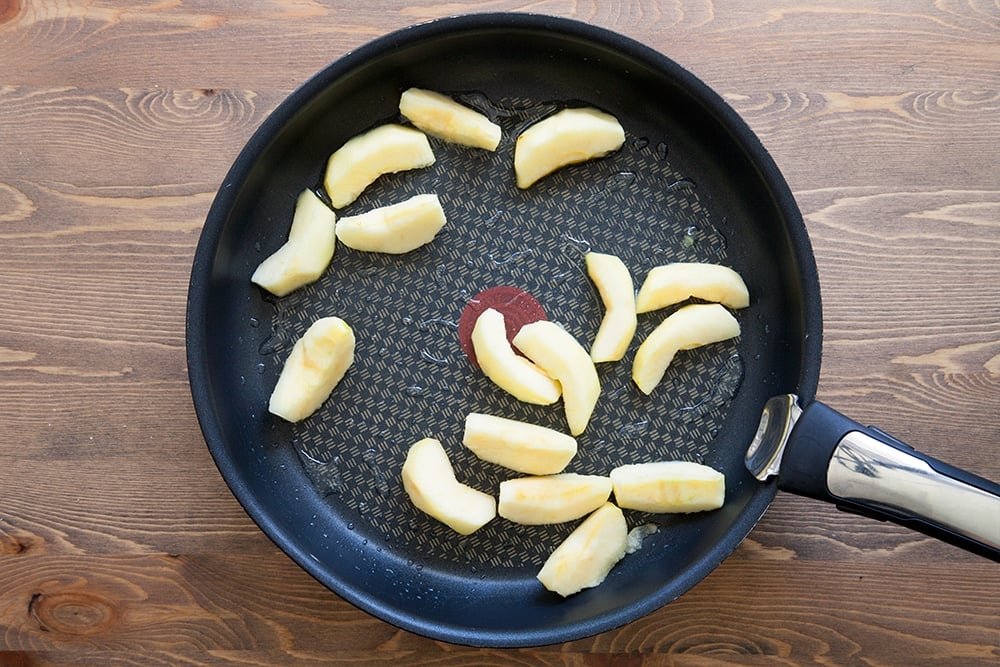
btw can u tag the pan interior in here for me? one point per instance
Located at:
(683, 188)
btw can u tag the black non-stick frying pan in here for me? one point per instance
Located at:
(692, 183)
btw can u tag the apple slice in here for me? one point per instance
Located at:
(315, 365)
(672, 283)
(668, 486)
(687, 328)
(566, 137)
(586, 556)
(533, 501)
(513, 373)
(307, 252)
(614, 283)
(446, 119)
(557, 353)
(383, 150)
(395, 229)
(429, 480)
(517, 445)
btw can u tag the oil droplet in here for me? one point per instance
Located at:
(617, 391)
(512, 257)
(640, 143)
(261, 368)
(271, 344)
(661, 150)
(425, 325)
(681, 184)
(415, 390)
(430, 358)
(407, 320)
(618, 182)
(633, 430)
(254, 322)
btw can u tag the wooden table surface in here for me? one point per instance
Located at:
(120, 543)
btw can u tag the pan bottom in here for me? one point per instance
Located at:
(411, 378)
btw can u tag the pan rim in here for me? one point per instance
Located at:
(209, 243)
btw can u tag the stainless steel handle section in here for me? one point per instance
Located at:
(868, 472)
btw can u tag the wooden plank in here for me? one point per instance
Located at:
(785, 608)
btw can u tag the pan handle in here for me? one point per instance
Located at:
(865, 470)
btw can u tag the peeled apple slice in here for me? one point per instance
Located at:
(687, 328)
(668, 486)
(429, 480)
(383, 150)
(315, 365)
(395, 229)
(586, 556)
(517, 445)
(533, 501)
(446, 119)
(508, 370)
(557, 353)
(566, 137)
(672, 283)
(614, 283)
(307, 252)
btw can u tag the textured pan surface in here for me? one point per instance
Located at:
(691, 183)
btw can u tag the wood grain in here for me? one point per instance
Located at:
(121, 545)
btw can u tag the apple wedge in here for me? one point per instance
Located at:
(668, 486)
(672, 283)
(315, 365)
(443, 117)
(533, 501)
(567, 137)
(517, 445)
(511, 372)
(361, 160)
(307, 252)
(429, 481)
(687, 328)
(586, 556)
(614, 283)
(557, 353)
(394, 229)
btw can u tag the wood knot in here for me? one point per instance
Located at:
(75, 613)
(9, 9)
(13, 546)
(14, 204)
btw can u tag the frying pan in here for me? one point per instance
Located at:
(692, 183)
